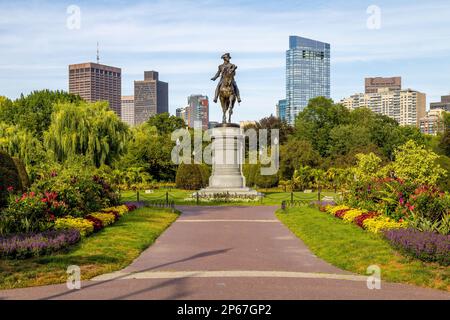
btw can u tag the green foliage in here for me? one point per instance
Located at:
(302, 177)
(150, 150)
(317, 120)
(266, 181)
(189, 176)
(367, 168)
(272, 122)
(89, 129)
(33, 112)
(165, 123)
(21, 143)
(296, 153)
(415, 163)
(250, 172)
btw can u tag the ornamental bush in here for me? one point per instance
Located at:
(84, 226)
(189, 177)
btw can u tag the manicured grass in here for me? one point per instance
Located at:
(111, 249)
(272, 197)
(351, 248)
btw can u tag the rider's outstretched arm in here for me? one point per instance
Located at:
(216, 75)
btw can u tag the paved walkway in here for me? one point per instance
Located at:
(227, 253)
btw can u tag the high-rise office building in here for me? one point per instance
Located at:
(405, 106)
(307, 73)
(281, 109)
(444, 104)
(151, 96)
(127, 110)
(97, 82)
(196, 113)
(373, 84)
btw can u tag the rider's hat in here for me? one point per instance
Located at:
(226, 55)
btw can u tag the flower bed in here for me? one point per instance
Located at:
(426, 246)
(371, 221)
(381, 223)
(35, 244)
(93, 222)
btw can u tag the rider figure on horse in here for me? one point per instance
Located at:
(225, 65)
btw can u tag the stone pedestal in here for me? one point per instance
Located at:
(227, 159)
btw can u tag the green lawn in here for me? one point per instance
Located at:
(351, 248)
(111, 249)
(272, 197)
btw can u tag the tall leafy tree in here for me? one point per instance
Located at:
(317, 120)
(21, 143)
(89, 129)
(33, 111)
(165, 123)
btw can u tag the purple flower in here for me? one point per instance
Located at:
(37, 244)
(426, 246)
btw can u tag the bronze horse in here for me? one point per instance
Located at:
(227, 93)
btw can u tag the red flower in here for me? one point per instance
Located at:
(10, 189)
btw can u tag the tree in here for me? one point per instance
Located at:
(444, 143)
(316, 121)
(33, 112)
(21, 143)
(415, 163)
(148, 149)
(345, 138)
(165, 123)
(296, 153)
(89, 129)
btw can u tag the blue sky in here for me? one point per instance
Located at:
(183, 40)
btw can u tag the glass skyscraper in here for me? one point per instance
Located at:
(307, 73)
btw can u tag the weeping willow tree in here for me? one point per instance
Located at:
(21, 143)
(88, 129)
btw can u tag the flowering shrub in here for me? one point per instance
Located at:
(426, 246)
(429, 203)
(84, 226)
(105, 218)
(359, 220)
(382, 223)
(350, 215)
(35, 244)
(25, 214)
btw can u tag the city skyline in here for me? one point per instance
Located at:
(40, 46)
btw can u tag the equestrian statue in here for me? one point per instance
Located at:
(227, 89)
